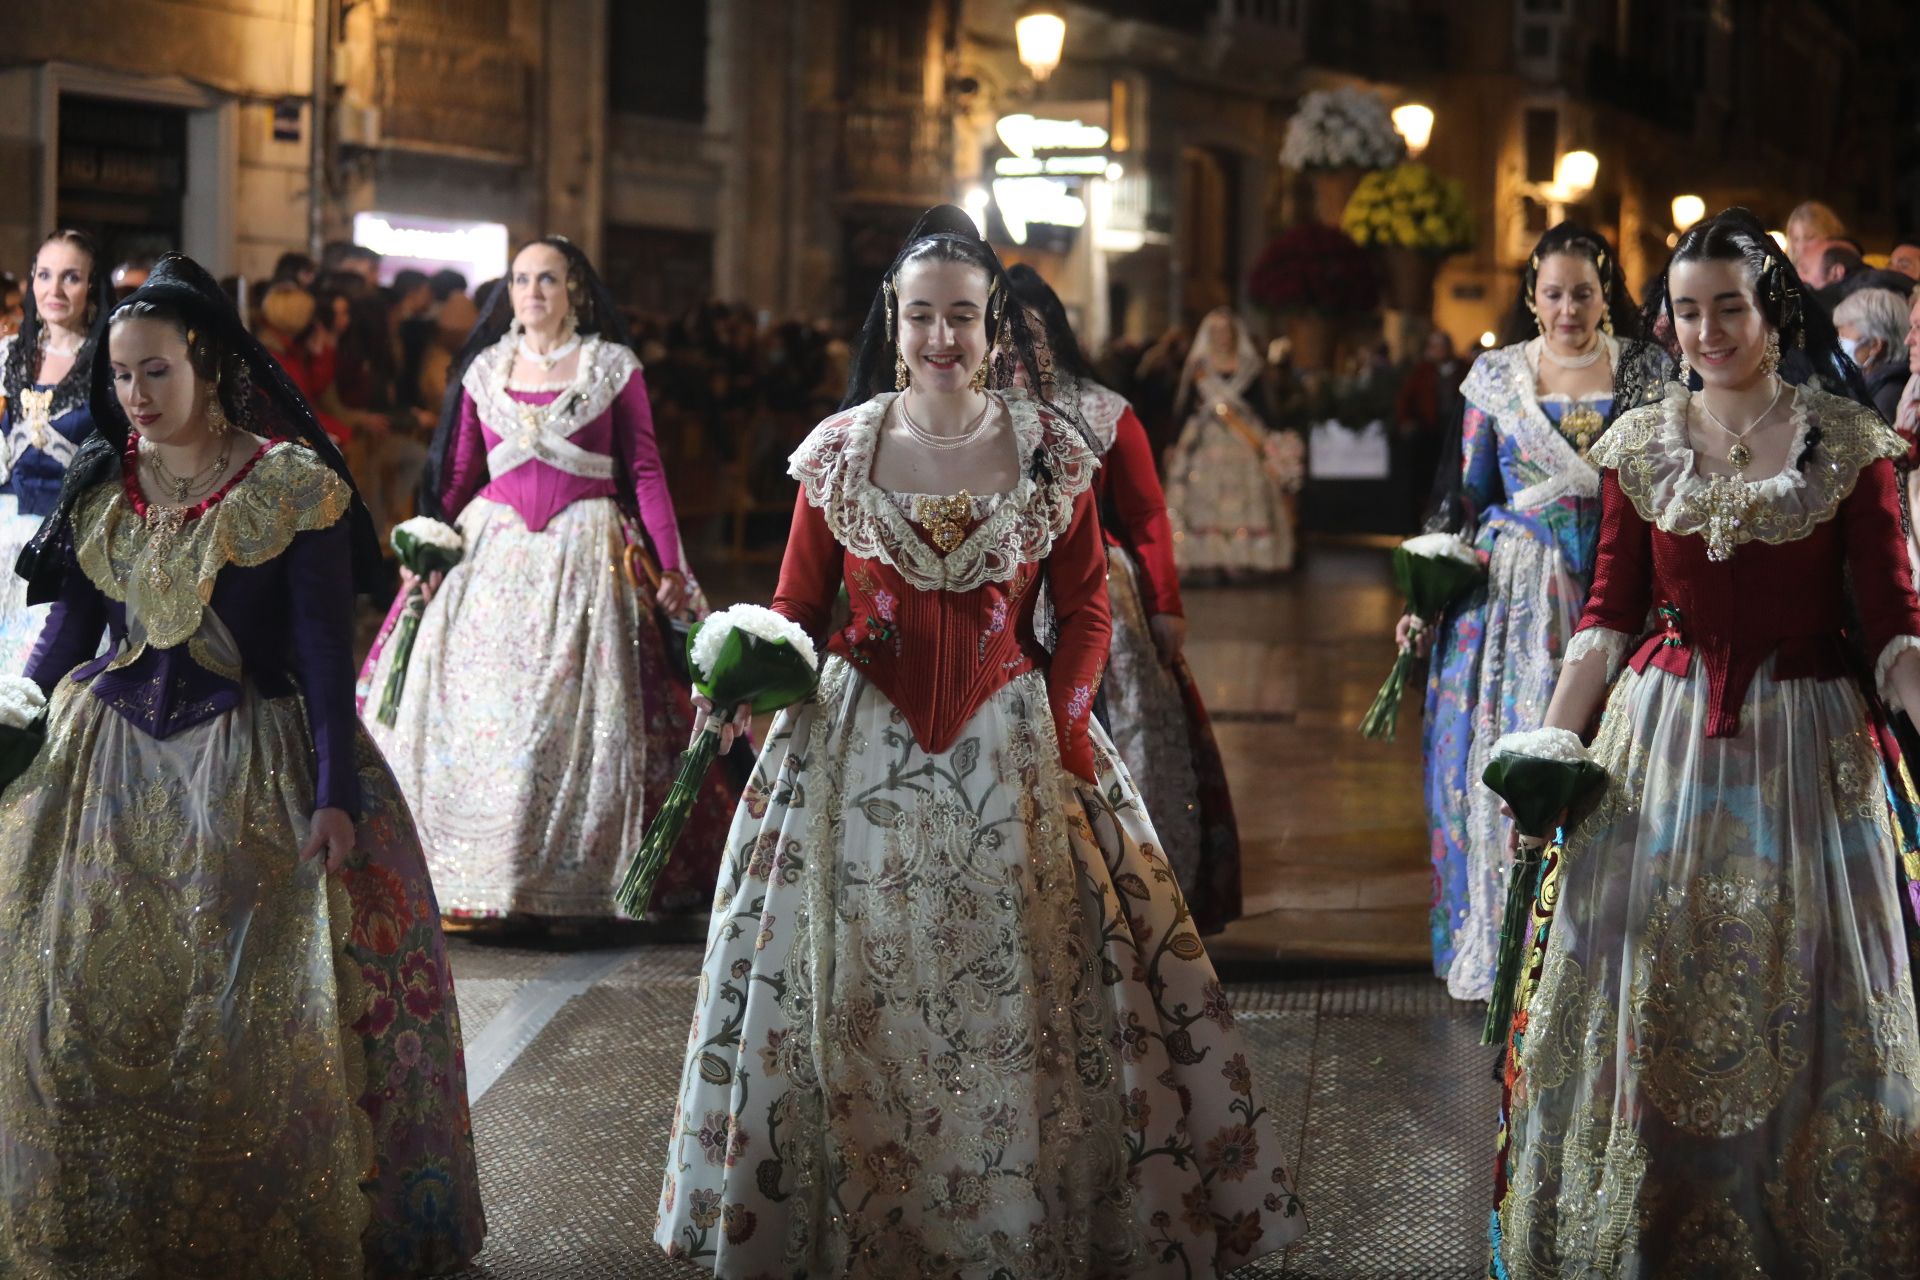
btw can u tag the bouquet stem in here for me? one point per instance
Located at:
(1523, 880)
(404, 632)
(636, 890)
(1383, 717)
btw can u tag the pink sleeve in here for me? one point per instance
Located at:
(633, 421)
(467, 465)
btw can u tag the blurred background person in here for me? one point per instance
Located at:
(1873, 329)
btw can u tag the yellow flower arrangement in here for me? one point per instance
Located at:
(1409, 207)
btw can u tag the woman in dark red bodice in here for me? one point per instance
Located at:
(981, 1034)
(1717, 1074)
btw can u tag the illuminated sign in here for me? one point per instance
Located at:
(1024, 201)
(1025, 134)
(477, 249)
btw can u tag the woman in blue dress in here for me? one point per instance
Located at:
(44, 375)
(1521, 489)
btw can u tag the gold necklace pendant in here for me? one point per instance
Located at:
(946, 519)
(1739, 457)
(163, 526)
(1582, 425)
(36, 413)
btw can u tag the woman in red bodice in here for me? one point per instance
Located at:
(1719, 1072)
(953, 1019)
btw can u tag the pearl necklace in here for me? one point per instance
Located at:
(932, 441)
(47, 347)
(547, 359)
(1739, 457)
(1578, 362)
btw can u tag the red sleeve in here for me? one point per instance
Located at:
(1622, 592)
(809, 572)
(1139, 507)
(633, 419)
(1877, 556)
(467, 465)
(1077, 579)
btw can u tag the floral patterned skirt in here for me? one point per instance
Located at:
(226, 1063)
(954, 1020)
(1719, 1074)
(1227, 508)
(1493, 671)
(540, 726)
(20, 622)
(1161, 732)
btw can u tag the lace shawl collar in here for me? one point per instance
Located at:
(1649, 450)
(600, 375)
(166, 583)
(834, 466)
(1503, 385)
(1100, 409)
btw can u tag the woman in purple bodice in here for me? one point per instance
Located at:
(235, 1048)
(540, 724)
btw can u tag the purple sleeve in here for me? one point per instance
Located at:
(73, 627)
(467, 467)
(633, 420)
(320, 599)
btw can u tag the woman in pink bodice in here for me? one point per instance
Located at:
(540, 723)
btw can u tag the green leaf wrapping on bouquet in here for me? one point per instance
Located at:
(18, 747)
(1432, 584)
(745, 670)
(1540, 791)
(422, 558)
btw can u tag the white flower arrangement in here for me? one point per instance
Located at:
(755, 620)
(1342, 129)
(21, 702)
(427, 530)
(1441, 546)
(1561, 745)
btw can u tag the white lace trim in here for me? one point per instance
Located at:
(834, 466)
(1601, 640)
(1883, 669)
(600, 375)
(1502, 384)
(1100, 409)
(1654, 458)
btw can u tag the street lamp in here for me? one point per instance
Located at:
(1574, 174)
(1040, 32)
(1687, 210)
(1415, 124)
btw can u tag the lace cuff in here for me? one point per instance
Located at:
(1601, 640)
(1884, 668)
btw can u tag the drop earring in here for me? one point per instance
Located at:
(1686, 374)
(901, 381)
(1770, 361)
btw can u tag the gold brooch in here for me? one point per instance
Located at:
(36, 410)
(1582, 424)
(946, 519)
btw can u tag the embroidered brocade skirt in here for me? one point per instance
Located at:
(540, 726)
(1493, 670)
(222, 1062)
(1228, 512)
(954, 1021)
(1719, 1070)
(1161, 731)
(20, 622)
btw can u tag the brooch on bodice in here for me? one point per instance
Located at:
(945, 519)
(36, 414)
(1725, 504)
(1582, 425)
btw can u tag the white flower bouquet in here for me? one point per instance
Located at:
(1543, 775)
(745, 655)
(1342, 129)
(1433, 571)
(425, 547)
(23, 725)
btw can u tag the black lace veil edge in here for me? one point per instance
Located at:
(255, 392)
(595, 313)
